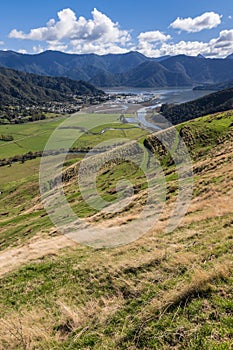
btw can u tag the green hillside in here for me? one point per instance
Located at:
(163, 291)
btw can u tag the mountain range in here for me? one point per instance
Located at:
(131, 69)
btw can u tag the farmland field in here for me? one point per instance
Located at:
(32, 137)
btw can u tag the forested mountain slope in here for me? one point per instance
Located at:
(25, 88)
(216, 102)
(129, 69)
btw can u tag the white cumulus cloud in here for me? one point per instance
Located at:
(153, 36)
(207, 20)
(101, 35)
(148, 41)
(221, 46)
(69, 31)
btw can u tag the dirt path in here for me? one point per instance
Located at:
(13, 258)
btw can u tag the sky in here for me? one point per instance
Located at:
(154, 28)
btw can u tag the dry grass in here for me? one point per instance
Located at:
(111, 296)
(95, 311)
(23, 330)
(201, 281)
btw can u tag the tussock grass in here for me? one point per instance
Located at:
(23, 330)
(201, 281)
(164, 291)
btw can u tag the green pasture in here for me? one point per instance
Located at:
(32, 137)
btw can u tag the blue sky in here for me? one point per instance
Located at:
(152, 27)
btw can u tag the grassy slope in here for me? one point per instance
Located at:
(200, 135)
(165, 291)
(19, 183)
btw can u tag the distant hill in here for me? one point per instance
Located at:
(80, 67)
(215, 87)
(216, 102)
(130, 69)
(200, 56)
(230, 57)
(148, 74)
(19, 87)
(154, 74)
(201, 70)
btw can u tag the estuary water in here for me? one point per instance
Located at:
(158, 96)
(163, 95)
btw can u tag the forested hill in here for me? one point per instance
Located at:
(216, 102)
(25, 88)
(216, 87)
